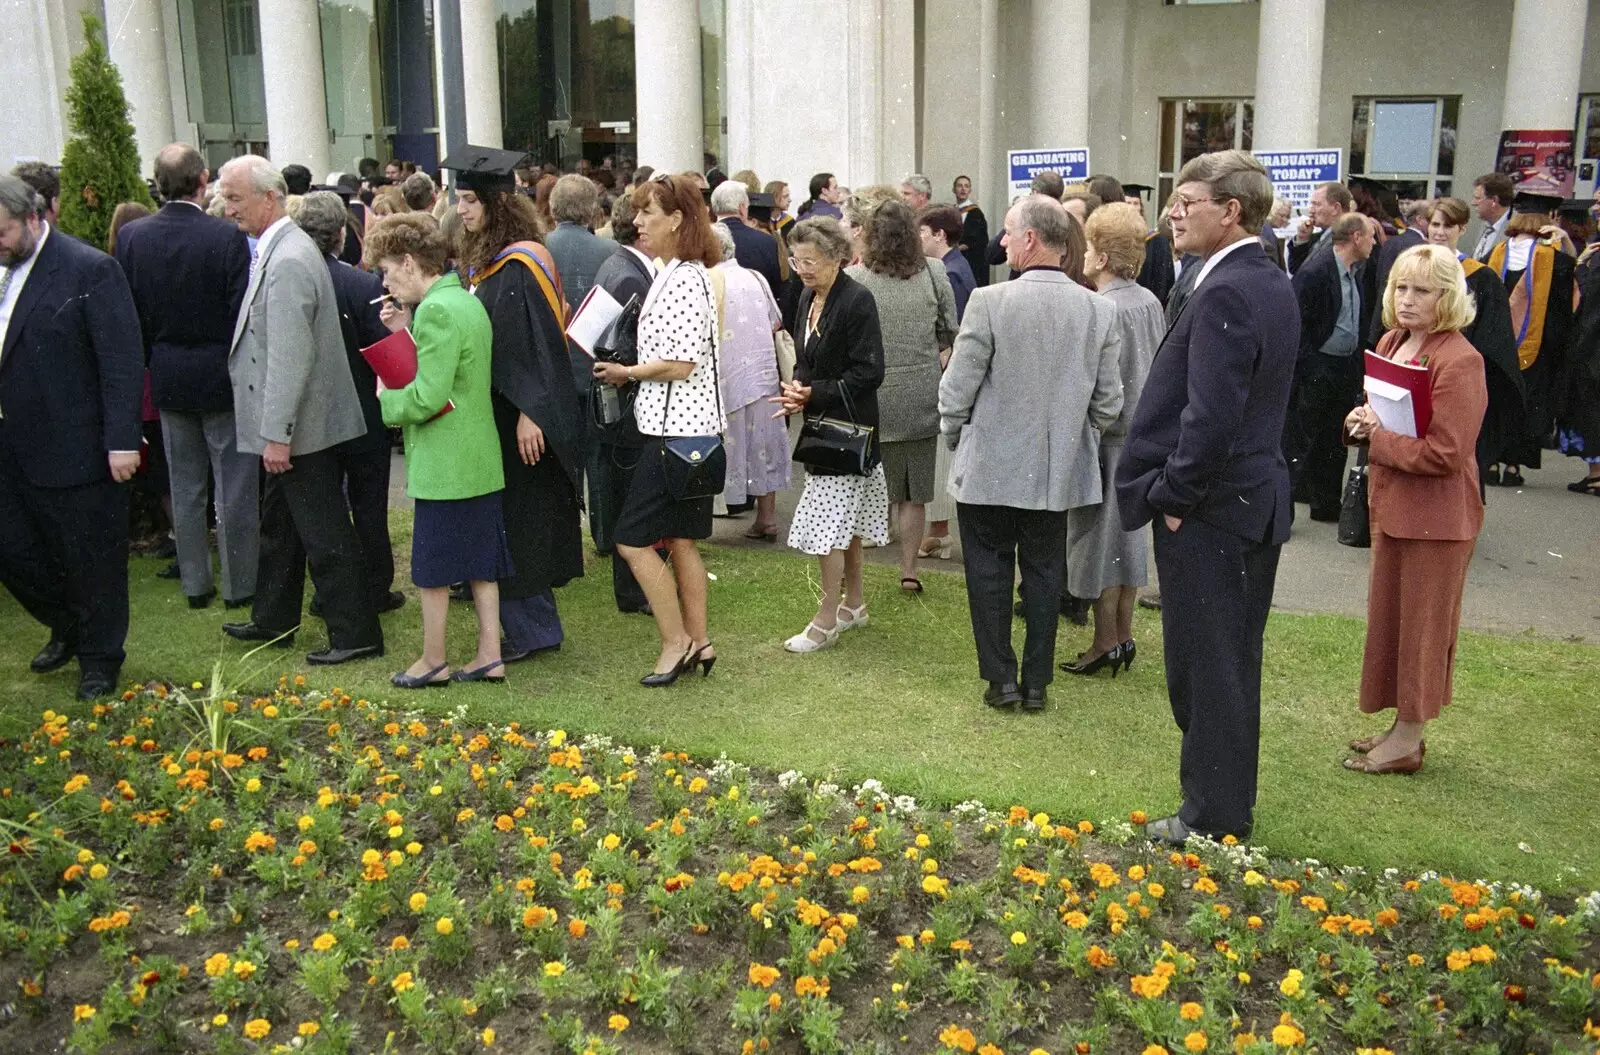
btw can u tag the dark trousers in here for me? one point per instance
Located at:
(304, 518)
(994, 541)
(64, 557)
(1216, 590)
(366, 487)
(1329, 388)
(610, 476)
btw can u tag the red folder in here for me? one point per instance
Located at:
(394, 360)
(1414, 379)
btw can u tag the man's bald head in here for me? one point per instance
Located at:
(180, 172)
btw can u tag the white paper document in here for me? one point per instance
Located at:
(1394, 406)
(598, 310)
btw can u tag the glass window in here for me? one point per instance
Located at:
(1409, 144)
(1191, 127)
(1186, 3)
(222, 77)
(353, 81)
(1588, 132)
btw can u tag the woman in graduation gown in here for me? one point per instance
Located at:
(1539, 283)
(1490, 333)
(1578, 409)
(537, 412)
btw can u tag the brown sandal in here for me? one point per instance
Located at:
(1367, 743)
(1405, 764)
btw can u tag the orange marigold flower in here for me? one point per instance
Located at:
(762, 975)
(1191, 1011)
(958, 1038)
(1388, 917)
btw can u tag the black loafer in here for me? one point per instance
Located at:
(332, 657)
(170, 572)
(252, 632)
(203, 600)
(510, 653)
(1325, 514)
(390, 601)
(55, 654)
(1000, 695)
(1033, 699)
(93, 684)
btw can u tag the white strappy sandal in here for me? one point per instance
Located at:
(850, 618)
(804, 642)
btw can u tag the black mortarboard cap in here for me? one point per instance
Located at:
(1143, 190)
(761, 206)
(1580, 206)
(484, 168)
(342, 191)
(1546, 204)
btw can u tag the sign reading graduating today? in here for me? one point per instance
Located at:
(1296, 173)
(1073, 164)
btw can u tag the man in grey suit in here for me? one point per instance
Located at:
(579, 252)
(1033, 379)
(294, 401)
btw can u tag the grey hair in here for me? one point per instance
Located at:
(622, 229)
(1048, 219)
(1236, 175)
(573, 199)
(919, 183)
(725, 237)
(729, 197)
(322, 216)
(264, 179)
(825, 233)
(19, 200)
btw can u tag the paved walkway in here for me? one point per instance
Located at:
(1537, 565)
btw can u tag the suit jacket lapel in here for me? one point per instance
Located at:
(38, 278)
(262, 252)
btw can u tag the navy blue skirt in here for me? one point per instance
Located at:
(459, 540)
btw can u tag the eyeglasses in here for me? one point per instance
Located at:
(804, 265)
(1181, 205)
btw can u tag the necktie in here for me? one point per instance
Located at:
(5, 283)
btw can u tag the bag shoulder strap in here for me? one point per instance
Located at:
(716, 385)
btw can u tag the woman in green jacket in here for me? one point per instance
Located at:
(453, 469)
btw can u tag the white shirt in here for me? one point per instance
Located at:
(1216, 258)
(649, 265)
(272, 231)
(676, 324)
(19, 278)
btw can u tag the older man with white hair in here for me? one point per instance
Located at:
(294, 402)
(756, 250)
(916, 190)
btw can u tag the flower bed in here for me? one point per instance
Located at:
(302, 871)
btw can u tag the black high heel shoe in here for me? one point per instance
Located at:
(1129, 650)
(1111, 659)
(705, 664)
(656, 681)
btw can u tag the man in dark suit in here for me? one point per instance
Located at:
(756, 250)
(71, 378)
(628, 273)
(1335, 312)
(1328, 202)
(365, 459)
(1204, 461)
(188, 272)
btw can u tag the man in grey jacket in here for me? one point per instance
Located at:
(294, 401)
(1033, 379)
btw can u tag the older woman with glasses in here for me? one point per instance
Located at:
(1425, 509)
(838, 370)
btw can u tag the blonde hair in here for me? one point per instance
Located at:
(1118, 231)
(860, 205)
(1434, 267)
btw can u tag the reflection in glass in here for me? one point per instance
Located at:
(222, 76)
(354, 82)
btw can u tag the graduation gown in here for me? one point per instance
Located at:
(1578, 392)
(1540, 376)
(1491, 334)
(975, 243)
(1157, 274)
(531, 374)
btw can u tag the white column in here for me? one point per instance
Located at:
(991, 174)
(1546, 59)
(138, 46)
(1288, 74)
(296, 94)
(1059, 74)
(666, 52)
(480, 64)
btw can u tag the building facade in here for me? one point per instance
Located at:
(1415, 94)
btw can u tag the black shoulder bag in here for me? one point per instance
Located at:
(695, 466)
(836, 446)
(608, 404)
(1355, 527)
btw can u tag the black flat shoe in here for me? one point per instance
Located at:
(656, 681)
(239, 602)
(428, 680)
(203, 600)
(1033, 700)
(509, 653)
(1151, 601)
(251, 632)
(1325, 514)
(483, 673)
(1511, 478)
(1001, 695)
(392, 600)
(461, 591)
(170, 572)
(1086, 667)
(93, 684)
(332, 657)
(55, 654)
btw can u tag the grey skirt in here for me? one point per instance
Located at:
(1100, 554)
(908, 468)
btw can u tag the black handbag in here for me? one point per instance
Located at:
(619, 343)
(1355, 526)
(836, 446)
(695, 467)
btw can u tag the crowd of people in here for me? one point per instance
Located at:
(1126, 391)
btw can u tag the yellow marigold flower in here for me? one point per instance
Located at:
(617, 1023)
(218, 964)
(990, 1049)
(402, 982)
(1018, 938)
(83, 1012)
(244, 970)
(1136, 873)
(1156, 890)
(1254, 878)
(258, 840)
(1458, 960)
(292, 944)
(1191, 1012)
(859, 895)
(73, 785)
(611, 842)
(219, 1020)
(253, 785)
(445, 925)
(1287, 1035)
(1154, 1049)
(1195, 1041)
(763, 975)
(1205, 885)
(958, 1038)
(419, 901)
(487, 1036)
(323, 942)
(577, 927)
(1244, 978)
(934, 885)
(257, 1028)
(1290, 986)
(1254, 922)
(85, 856)
(555, 969)
(400, 943)
(1482, 954)
(309, 1029)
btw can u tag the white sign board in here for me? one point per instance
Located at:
(1296, 173)
(1072, 163)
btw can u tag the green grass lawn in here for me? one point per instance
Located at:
(1509, 791)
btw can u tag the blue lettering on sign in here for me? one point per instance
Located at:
(1302, 166)
(1026, 164)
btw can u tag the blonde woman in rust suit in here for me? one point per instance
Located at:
(1425, 510)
